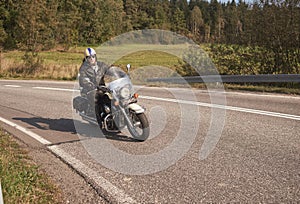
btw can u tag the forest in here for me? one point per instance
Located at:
(266, 30)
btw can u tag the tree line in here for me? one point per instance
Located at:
(271, 25)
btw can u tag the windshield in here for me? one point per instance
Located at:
(115, 79)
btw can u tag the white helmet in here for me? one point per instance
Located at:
(90, 56)
(89, 52)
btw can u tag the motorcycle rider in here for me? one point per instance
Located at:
(91, 77)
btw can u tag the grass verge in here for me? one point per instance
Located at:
(261, 88)
(21, 180)
(64, 65)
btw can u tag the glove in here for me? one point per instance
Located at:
(102, 89)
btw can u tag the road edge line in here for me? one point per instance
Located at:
(103, 187)
(1, 196)
(99, 183)
(27, 132)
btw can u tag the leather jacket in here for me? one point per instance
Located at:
(89, 79)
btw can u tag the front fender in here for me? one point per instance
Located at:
(136, 108)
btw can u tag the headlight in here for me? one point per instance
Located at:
(125, 93)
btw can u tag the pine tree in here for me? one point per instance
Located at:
(9, 13)
(216, 20)
(183, 6)
(68, 22)
(204, 6)
(161, 18)
(91, 25)
(31, 25)
(31, 32)
(3, 34)
(137, 14)
(50, 22)
(232, 23)
(111, 19)
(196, 23)
(178, 22)
(243, 14)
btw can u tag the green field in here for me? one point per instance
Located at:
(21, 180)
(65, 65)
(147, 61)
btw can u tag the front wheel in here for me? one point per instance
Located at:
(140, 126)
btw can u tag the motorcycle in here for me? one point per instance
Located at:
(120, 110)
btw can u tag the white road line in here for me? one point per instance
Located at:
(232, 108)
(181, 89)
(270, 95)
(197, 91)
(264, 95)
(112, 191)
(1, 196)
(13, 86)
(53, 89)
(27, 132)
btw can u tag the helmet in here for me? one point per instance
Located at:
(90, 56)
(89, 52)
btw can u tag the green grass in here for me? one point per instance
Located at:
(147, 58)
(49, 57)
(65, 65)
(147, 61)
(20, 179)
(141, 55)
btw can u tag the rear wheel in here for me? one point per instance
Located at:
(140, 126)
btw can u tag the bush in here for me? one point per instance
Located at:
(33, 63)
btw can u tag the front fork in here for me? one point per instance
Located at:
(137, 109)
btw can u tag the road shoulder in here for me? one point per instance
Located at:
(73, 187)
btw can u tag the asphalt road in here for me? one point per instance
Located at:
(203, 147)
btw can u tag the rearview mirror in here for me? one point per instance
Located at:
(128, 67)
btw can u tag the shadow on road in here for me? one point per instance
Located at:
(88, 130)
(61, 125)
(83, 129)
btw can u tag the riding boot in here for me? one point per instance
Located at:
(98, 112)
